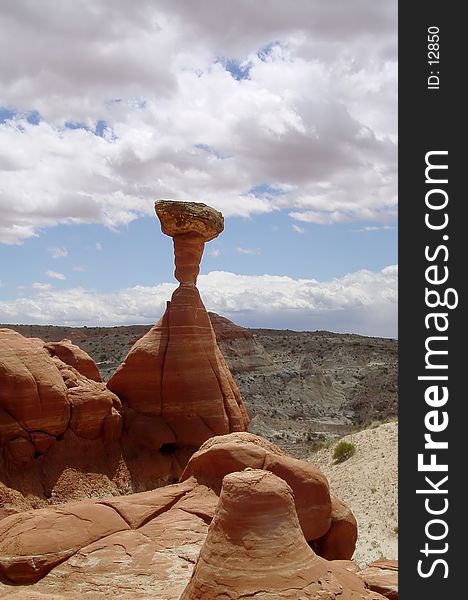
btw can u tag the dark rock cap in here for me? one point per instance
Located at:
(178, 217)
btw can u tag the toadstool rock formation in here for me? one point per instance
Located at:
(175, 377)
(173, 392)
(255, 548)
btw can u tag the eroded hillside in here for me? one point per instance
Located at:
(300, 387)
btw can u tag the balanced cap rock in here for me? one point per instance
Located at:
(190, 224)
(175, 375)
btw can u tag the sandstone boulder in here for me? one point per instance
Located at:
(32, 543)
(41, 397)
(57, 428)
(32, 391)
(339, 542)
(382, 576)
(255, 548)
(225, 454)
(180, 217)
(138, 546)
(91, 403)
(73, 355)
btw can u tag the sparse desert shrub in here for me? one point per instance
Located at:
(343, 451)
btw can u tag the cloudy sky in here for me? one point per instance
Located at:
(280, 114)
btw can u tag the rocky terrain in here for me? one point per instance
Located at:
(300, 388)
(245, 518)
(66, 435)
(218, 511)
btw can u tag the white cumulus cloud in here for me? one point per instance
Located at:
(361, 302)
(55, 275)
(290, 107)
(242, 250)
(297, 228)
(37, 285)
(56, 253)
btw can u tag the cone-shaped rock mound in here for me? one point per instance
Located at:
(255, 548)
(234, 452)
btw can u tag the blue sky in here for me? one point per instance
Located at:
(285, 121)
(139, 254)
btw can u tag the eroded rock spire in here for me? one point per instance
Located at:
(175, 377)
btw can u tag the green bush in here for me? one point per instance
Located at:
(343, 451)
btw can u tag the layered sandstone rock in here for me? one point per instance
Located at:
(148, 542)
(382, 576)
(236, 451)
(255, 548)
(73, 355)
(71, 432)
(60, 432)
(175, 378)
(142, 542)
(33, 395)
(340, 540)
(32, 543)
(41, 398)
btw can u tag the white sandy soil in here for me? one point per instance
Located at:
(368, 484)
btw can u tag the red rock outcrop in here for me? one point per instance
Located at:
(46, 537)
(339, 542)
(234, 452)
(143, 542)
(33, 395)
(148, 542)
(382, 576)
(175, 377)
(73, 355)
(41, 397)
(255, 547)
(59, 431)
(175, 386)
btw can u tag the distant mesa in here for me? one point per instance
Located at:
(239, 345)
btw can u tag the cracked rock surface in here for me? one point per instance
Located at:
(146, 544)
(255, 549)
(175, 375)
